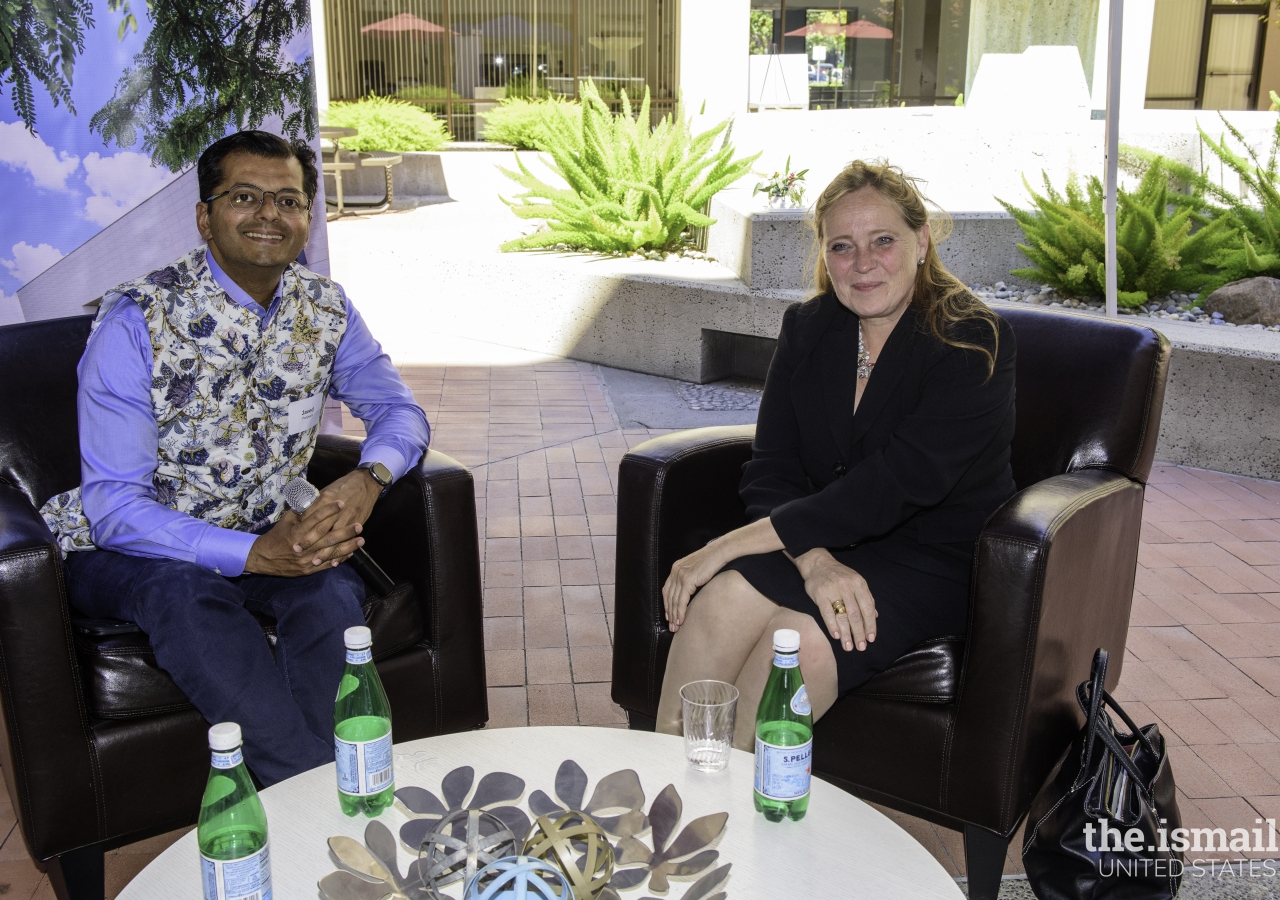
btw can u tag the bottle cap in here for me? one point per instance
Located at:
(786, 640)
(358, 637)
(224, 737)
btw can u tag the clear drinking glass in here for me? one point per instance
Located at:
(709, 708)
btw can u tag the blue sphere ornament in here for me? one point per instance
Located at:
(518, 878)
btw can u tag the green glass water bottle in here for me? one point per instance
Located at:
(235, 858)
(362, 731)
(784, 735)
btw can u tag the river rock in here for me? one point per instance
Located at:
(1248, 301)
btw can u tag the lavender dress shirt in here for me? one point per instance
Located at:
(120, 438)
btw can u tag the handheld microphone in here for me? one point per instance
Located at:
(299, 494)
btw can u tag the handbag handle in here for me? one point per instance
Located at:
(1093, 698)
(1091, 704)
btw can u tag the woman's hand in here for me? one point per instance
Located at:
(830, 583)
(687, 575)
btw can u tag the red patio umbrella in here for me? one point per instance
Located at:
(401, 24)
(860, 29)
(864, 29)
(830, 29)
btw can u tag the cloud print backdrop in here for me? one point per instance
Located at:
(64, 184)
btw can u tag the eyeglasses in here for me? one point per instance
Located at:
(246, 198)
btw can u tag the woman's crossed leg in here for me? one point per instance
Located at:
(727, 635)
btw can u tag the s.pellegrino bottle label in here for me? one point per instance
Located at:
(357, 657)
(783, 773)
(364, 767)
(786, 660)
(800, 702)
(228, 760)
(238, 879)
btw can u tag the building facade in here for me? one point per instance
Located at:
(460, 57)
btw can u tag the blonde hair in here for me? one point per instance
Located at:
(939, 296)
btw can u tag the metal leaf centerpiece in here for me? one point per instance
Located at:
(466, 828)
(687, 855)
(619, 794)
(703, 887)
(369, 871)
(495, 795)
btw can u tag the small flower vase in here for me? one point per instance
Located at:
(782, 202)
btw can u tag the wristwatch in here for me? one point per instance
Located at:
(379, 473)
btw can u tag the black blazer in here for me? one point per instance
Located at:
(927, 452)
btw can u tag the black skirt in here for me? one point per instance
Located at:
(921, 591)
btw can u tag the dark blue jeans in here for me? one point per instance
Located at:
(200, 626)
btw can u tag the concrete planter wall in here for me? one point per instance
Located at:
(419, 175)
(772, 249)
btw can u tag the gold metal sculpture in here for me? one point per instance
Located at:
(553, 838)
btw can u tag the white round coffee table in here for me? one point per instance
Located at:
(842, 848)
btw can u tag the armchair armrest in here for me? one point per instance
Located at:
(1053, 581)
(424, 531)
(41, 693)
(675, 493)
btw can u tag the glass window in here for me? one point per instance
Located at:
(873, 53)
(457, 57)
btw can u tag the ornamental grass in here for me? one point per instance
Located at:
(627, 187)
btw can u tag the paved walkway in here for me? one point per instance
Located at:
(543, 441)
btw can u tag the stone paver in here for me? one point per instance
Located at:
(543, 446)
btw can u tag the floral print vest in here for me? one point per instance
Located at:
(221, 384)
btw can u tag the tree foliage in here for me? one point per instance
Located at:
(761, 31)
(1256, 251)
(386, 124)
(39, 40)
(206, 68)
(1155, 250)
(523, 123)
(630, 187)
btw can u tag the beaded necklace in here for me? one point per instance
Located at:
(865, 365)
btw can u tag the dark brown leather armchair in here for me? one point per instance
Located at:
(99, 747)
(961, 730)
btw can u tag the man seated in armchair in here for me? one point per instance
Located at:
(200, 393)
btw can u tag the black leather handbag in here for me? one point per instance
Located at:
(1100, 827)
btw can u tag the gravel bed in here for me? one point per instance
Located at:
(731, 394)
(1178, 306)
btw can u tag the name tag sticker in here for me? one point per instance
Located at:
(305, 413)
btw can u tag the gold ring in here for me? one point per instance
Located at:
(839, 608)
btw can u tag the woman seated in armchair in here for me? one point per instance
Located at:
(881, 448)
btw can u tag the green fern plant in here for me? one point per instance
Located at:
(1155, 249)
(386, 124)
(419, 93)
(1256, 250)
(628, 187)
(522, 123)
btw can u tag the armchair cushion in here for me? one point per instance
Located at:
(122, 680)
(927, 673)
